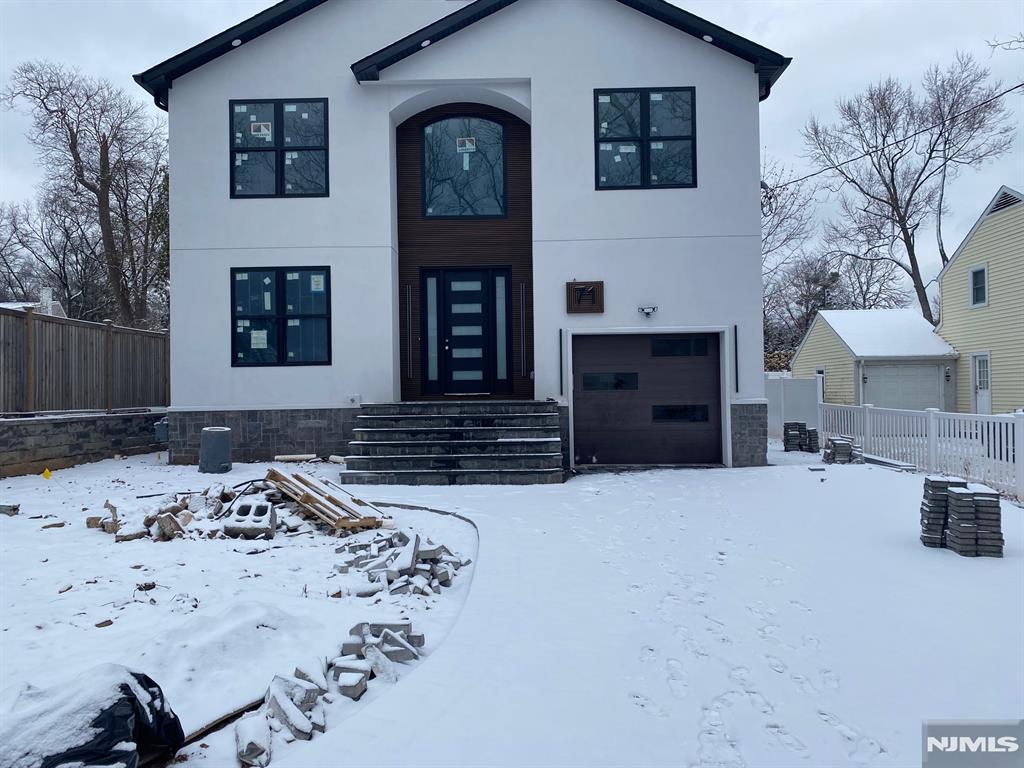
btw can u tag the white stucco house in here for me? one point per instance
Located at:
(468, 241)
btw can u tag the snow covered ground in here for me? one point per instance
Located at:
(753, 617)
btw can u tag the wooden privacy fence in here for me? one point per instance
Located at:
(55, 364)
(982, 448)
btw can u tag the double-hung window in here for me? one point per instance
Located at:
(979, 286)
(645, 138)
(279, 148)
(281, 316)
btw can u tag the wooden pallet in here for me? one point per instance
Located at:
(326, 501)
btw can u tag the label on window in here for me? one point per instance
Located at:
(257, 339)
(241, 276)
(316, 283)
(290, 107)
(266, 281)
(266, 300)
(604, 99)
(293, 276)
(655, 97)
(305, 115)
(606, 147)
(293, 322)
(261, 130)
(465, 144)
(657, 145)
(465, 162)
(618, 158)
(241, 108)
(428, 130)
(238, 308)
(627, 149)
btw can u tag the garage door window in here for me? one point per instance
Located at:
(596, 382)
(679, 347)
(679, 413)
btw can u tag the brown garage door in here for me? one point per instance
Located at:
(647, 399)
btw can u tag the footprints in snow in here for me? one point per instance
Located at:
(861, 748)
(648, 706)
(787, 739)
(676, 676)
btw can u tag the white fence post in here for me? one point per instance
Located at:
(866, 443)
(933, 439)
(1018, 451)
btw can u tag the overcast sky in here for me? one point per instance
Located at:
(838, 47)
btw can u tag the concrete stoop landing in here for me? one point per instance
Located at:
(466, 442)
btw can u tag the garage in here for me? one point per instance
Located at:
(910, 386)
(647, 399)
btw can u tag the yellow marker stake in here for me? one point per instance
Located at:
(47, 473)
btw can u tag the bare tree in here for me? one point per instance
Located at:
(890, 150)
(873, 284)
(1015, 43)
(100, 148)
(787, 223)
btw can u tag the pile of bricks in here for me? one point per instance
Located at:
(934, 509)
(396, 564)
(294, 704)
(841, 450)
(797, 437)
(962, 517)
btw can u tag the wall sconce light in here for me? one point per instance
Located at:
(949, 374)
(646, 311)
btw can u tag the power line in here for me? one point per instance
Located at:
(870, 152)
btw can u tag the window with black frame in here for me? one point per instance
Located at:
(645, 138)
(279, 148)
(281, 316)
(463, 168)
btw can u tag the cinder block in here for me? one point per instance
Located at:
(352, 684)
(251, 520)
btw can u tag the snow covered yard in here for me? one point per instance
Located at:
(756, 617)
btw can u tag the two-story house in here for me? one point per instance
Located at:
(484, 239)
(982, 290)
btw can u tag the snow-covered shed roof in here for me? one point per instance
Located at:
(886, 333)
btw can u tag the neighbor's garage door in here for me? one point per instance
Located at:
(647, 399)
(909, 386)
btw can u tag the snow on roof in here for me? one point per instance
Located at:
(886, 333)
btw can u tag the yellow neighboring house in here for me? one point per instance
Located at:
(982, 290)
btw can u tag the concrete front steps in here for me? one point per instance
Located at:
(509, 442)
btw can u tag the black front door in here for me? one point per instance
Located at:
(466, 349)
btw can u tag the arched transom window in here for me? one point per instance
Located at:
(463, 168)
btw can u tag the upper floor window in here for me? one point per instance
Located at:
(279, 148)
(281, 316)
(463, 168)
(645, 138)
(979, 286)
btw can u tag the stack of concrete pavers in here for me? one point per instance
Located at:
(987, 520)
(794, 435)
(251, 520)
(961, 525)
(839, 450)
(399, 564)
(934, 509)
(812, 445)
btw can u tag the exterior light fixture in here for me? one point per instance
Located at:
(424, 44)
(235, 43)
(646, 311)
(708, 39)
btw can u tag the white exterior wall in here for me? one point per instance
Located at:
(692, 252)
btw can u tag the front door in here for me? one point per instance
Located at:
(982, 376)
(466, 324)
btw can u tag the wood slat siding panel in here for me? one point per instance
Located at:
(426, 243)
(997, 328)
(70, 365)
(823, 349)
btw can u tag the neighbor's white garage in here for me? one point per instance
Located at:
(913, 386)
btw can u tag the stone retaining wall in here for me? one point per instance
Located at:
(32, 444)
(261, 435)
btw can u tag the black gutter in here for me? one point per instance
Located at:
(157, 80)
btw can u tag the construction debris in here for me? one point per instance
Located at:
(251, 521)
(842, 450)
(9, 509)
(326, 501)
(296, 457)
(399, 564)
(252, 739)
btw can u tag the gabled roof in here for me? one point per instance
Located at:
(1003, 199)
(157, 80)
(768, 64)
(882, 333)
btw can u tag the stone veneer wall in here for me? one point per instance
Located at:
(261, 435)
(32, 444)
(749, 434)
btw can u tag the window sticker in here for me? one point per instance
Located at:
(657, 145)
(316, 283)
(287, 186)
(261, 130)
(293, 322)
(655, 97)
(465, 144)
(257, 339)
(241, 108)
(604, 99)
(290, 107)
(241, 276)
(627, 149)
(618, 158)
(465, 162)
(238, 308)
(266, 281)
(305, 115)
(429, 130)
(293, 276)
(266, 300)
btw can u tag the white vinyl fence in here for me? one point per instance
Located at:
(985, 449)
(791, 400)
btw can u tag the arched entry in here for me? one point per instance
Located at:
(465, 253)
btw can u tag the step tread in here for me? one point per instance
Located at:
(460, 456)
(444, 429)
(348, 473)
(481, 441)
(480, 415)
